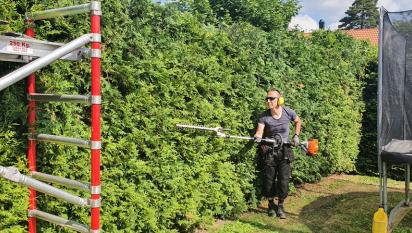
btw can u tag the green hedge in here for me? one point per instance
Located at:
(181, 63)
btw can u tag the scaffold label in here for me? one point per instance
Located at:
(19, 46)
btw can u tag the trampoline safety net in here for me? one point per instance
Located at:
(395, 87)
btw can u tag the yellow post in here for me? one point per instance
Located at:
(380, 222)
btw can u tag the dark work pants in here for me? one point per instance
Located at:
(276, 173)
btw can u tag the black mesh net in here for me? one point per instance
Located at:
(395, 84)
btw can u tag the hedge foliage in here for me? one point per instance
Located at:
(195, 62)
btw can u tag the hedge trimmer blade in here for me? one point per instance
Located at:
(220, 133)
(219, 130)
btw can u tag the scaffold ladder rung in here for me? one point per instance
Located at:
(59, 221)
(57, 12)
(13, 174)
(62, 139)
(86, 99)
(60, 180)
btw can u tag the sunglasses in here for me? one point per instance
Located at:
(271, 98)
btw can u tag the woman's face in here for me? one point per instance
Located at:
(272, 99)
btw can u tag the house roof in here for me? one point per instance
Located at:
(370, 34)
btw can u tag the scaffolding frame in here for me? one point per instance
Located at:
(39, 54)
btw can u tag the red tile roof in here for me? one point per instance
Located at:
(370, 34)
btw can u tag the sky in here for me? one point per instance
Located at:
(331, 11)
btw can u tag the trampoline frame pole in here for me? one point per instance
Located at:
(382, 173)
(407, 182)
(384, 192)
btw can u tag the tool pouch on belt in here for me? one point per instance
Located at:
(271, 155)
(287, 150)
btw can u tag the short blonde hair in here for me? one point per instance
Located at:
(275, 90)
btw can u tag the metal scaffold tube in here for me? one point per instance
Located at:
(60, 98)
(59, 221)
(62, 139)
(53, 13)
(60, 180)
(39, 63)
(12, 174)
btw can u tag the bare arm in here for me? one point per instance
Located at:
(259, 130)
(298, 125)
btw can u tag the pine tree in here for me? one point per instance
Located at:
(362, 14)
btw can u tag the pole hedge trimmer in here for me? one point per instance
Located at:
(310, 147)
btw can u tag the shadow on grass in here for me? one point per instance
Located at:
(337, 213)
(347, 213)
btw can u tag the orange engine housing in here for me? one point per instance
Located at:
(312, 147)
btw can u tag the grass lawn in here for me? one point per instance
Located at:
(338, 204)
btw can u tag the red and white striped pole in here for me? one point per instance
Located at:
(31, 119)
(95, 111)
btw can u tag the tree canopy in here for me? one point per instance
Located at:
(264, 14)
(361, 14)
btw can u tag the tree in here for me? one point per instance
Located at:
(265, 14)
(362, 14)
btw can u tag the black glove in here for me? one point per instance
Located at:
(257, 139)
(295, 140)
